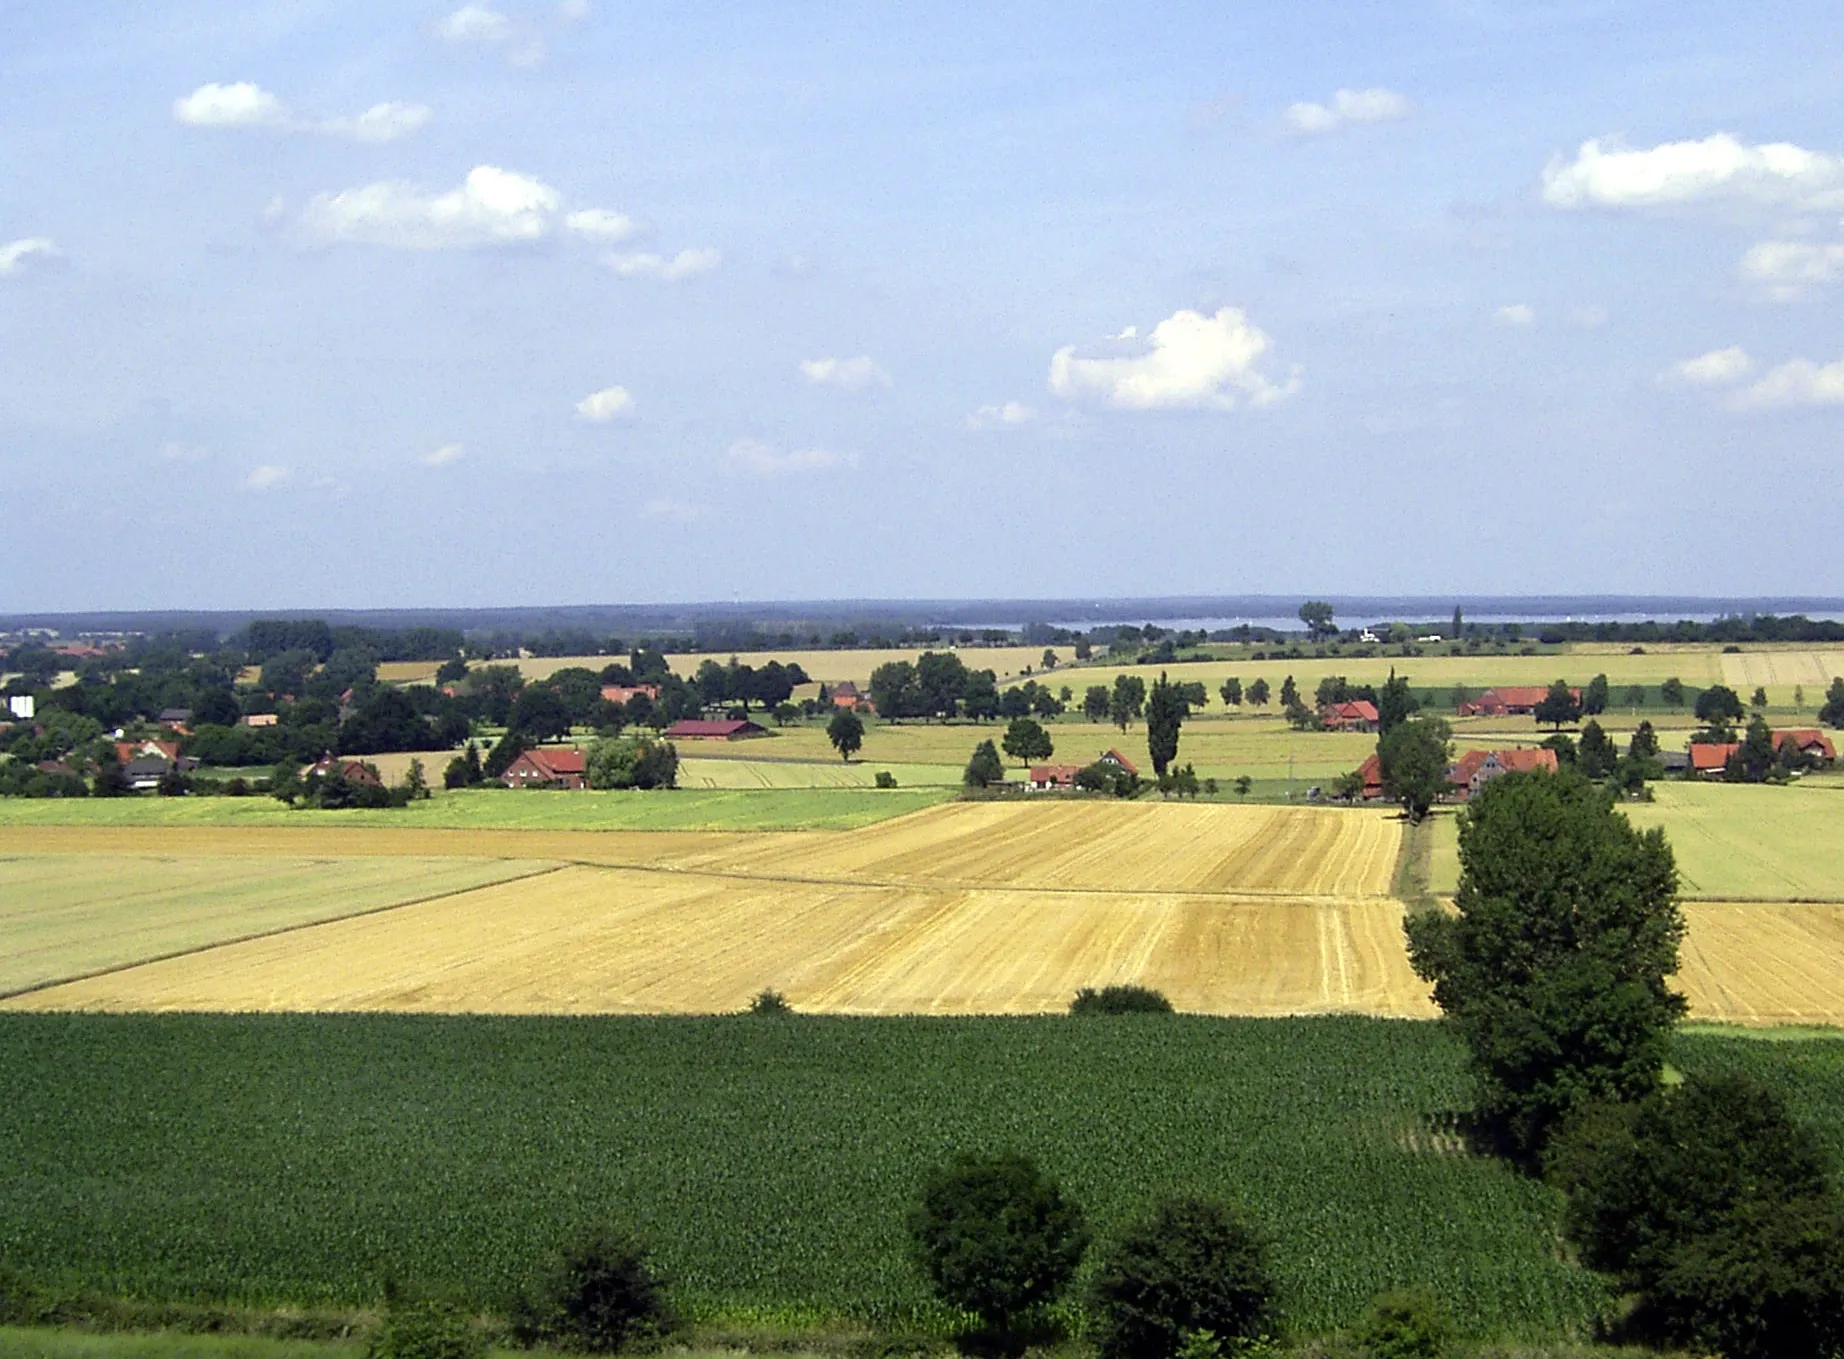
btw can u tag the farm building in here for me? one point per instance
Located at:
(709, 729)
(1371, 772)
(177, 718)
(352, 771)
(144, 772)
(1710, 759)
(546, 769)
(845, 694)
(1357, 715)
(260, 720)
(627, 693)
(1809, 742)
(1046, 777)
(1510, 701)
(1476, 768)
(1116, 760)
(126, 751)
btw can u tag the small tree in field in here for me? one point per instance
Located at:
(597, 1296)
(1026, 740)
(846, 732)
(996, 1237)
(424, 1330)
(1189, 1267)
(985, 768)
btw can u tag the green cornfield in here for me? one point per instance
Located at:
(305, 1159)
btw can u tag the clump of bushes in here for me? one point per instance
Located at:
(425, 1330)
(770, 1003)
(599, 1295)
(885, 779)
(1190, 1272)
(1410, 1324)
(1120, 1000)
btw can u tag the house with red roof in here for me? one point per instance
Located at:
(1510, 701)
(1047, 777)
(1476, 768)
(1118, 761)
(1810, 742)
(845, 694)
(1710, 759)
(1371, 772)
(352, 771)
(1356, 715)
(714, 729)
(541, 768)
(624, 694)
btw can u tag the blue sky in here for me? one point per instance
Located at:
(492, 303)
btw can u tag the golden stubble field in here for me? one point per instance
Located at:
(967, 908)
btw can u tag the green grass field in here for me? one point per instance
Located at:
(303, 1159)
(18, 1342)
(70, 915)
(834, 773)
(502, 809)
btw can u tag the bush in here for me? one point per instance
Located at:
(771, 1003)
(1410, 1324)
(599, 1295)
(1120, 1000)
(1190, 1267)
(996, 1236)
(885, 779)
(425, 1330)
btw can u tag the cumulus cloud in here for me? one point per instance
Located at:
(519, 41)
(1189, 361)
(14, 254)
(678, 511)
(599, 224)
(1001, 415)
(765, 460)
(443, 456)
(848, 375)
(266, 477)
(1347, 107)
(686, 264)
(1795, 384)
(492, 207)
(611, 403)
(1517, 316)
(1718, 169)
(244, 105)
(1786, 270)
(475, 23)
(1717, 368)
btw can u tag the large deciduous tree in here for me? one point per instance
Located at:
(1025, 740)
(1414, 755)
(1558, 705)
(1317, 615)
(846, 732)
(1553, 968)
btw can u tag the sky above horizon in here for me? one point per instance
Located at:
(342, 305)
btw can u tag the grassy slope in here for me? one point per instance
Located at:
(304, 1158)
(685, 809)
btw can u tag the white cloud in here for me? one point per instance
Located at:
(238, 105)
(1799, 383)
(610, 403)
(443, 456)
(14, 254)
(1718, 169)
(1347, 107)
(848, 375)
(765, 460)
(266, 477)
(1002, 415)
(599, 224)
(1517, 316)
(1786, 270)
(244, 105)
(173, 451)
(1714, 369)
(475, 23)
(1190, 361)
(679, 511)
(492, 207)
(685, 264)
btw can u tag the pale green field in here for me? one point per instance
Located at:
(503, 809)
(18, 1342)
(69, 915)
(1732, 842)
(834, 773)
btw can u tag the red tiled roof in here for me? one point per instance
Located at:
(1540, 760)
(1114, 756)
(1521, 695)
(1355, 710)
(1805, 738)
(696, 727)
(1055, 773)
(1708, 758)
(557, 762)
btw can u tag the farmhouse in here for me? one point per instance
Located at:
(352, 771)
(713, 729)
(546, 769)
(1045, 777)
(1510, 701)
(1114, 759)
(134, 750)
(1710, 759)
(1810, 742)
(845, 694)
(1357, 715)
(624, 694)
(1476, 768)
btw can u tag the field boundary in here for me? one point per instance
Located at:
(295, 928)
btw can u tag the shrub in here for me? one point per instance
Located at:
(1410, 1324)
(597, 1296)
(424, 1330)
(996, 1236)
(1120, 1000)
(1190, 1267)
(885, 779)
(771, 1003)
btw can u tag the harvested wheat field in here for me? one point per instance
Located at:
(1764, 962)
(598, 940)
